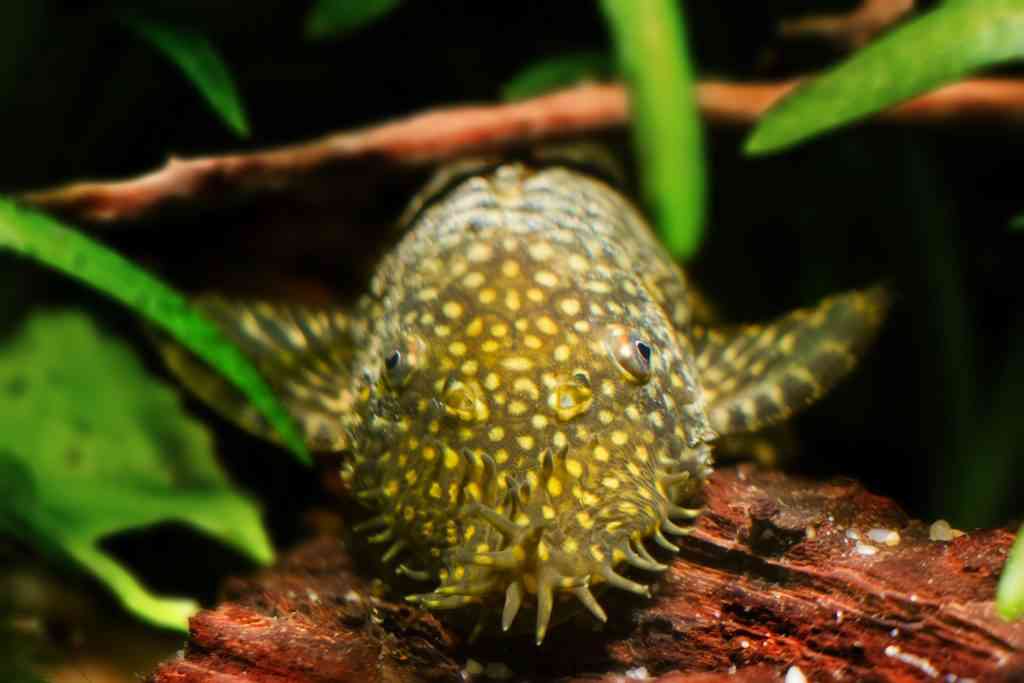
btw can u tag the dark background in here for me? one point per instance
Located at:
(931, 418)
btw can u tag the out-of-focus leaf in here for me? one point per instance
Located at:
(951, 41)
(650, 41)
(557, 72)
(334, 18)
(202, 64)
(1017, 222)
(43, 239)
(90, 445)
(1010, 594)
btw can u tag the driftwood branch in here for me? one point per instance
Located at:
(361, 161)
(781, 573)
(853, 29)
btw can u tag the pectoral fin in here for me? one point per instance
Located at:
(303, 353)
(755, 376)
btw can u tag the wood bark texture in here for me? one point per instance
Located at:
(783, 576)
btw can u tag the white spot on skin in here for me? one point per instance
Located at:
(517, 363)
(570, 307)
(452, 309)
(545, 278)
(480, 252)
(541, 251)
(578, 263)
(547, 325)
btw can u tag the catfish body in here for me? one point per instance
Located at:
(529, 391)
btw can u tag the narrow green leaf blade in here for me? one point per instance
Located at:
(1010, 593)
(169, 613)
(202, 64)
(334, 18)
(45, 240)
(951, 41)
(650, 41)
(118, 452)
(557, 72)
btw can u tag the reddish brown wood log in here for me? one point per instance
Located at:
(781, 573)
(345, 170)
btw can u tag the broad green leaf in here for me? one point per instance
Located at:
(333, 18)
(557, 72)
(650, 41)
(42, 238)
(1010, 594)
(1017, 222)
(91, 445)
(199, 60)
(951, 41)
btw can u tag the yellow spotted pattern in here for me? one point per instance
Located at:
(528, 390)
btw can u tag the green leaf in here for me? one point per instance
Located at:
(198, 59)
(334, 18)
(557, 72)
(91, 445)
(650, 41)
(1010, 594)
(955, 39)
(1017, 223)
(43, 239)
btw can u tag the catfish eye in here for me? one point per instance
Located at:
(644, 350)
(401, 362)
(632, 353)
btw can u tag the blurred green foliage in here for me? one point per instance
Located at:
(45, 240)
(940, 47)
(650, 41)
(335, 18)
(1010, 596)
(200, 62)
(557, 72)
(90, 446)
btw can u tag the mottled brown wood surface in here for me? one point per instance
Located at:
(775, 577)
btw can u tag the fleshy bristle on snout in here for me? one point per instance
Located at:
(539, 539)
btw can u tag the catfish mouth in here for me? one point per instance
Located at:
(554, 533)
